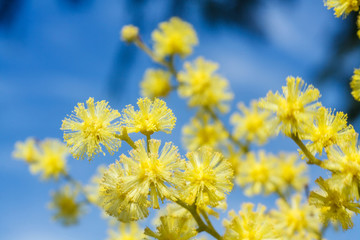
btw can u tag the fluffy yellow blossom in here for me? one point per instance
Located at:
(87, 128)
(328, 129)
(292, 173)
(355, 83)
(174, 37)
(333, 203)
(200, 132)
(129, 33)
(156, 83)
(294, 108)
(172, 229)
(250, 224)
(258, 174)
(342, 7)
(344, 163)
(67, 210)
(114, 200)
(27, 151)
(52, 159)
(208, 176)
(94, 188)
(296, 219)
(235, 158)
(126, 231)
(358, 25)
(252, 123)
(203, 86)
(152, 116)
(152, 172)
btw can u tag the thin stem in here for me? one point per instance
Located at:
(243, 147)
(204, 214)
(148, 51)
(202, 226)
(148, 142)
(311, 158)
(125, 137)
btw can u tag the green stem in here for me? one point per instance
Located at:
(125, 137)
(148, 51)
(202, 226)
(148, 142)
(243, 147)
(311, 158)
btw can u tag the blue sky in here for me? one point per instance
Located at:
(55, 57)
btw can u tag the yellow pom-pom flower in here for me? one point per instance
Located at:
(174, 37)
(67, 209)
(296, 219)
(328, 129)
(203, 86)
(27, 151)
(156, 83)
(355, 84)
(114, 200)
(52, 159)
(293, 109)
(152, 116)
(257, 174)
(252, 123)
(127, 231)
(358, 25)
(200, 132)
(291, 173)
(152, 172)
(250, 224)
(334, 203)
(344, 163)
(342, 7)
(208, 178)
(87, 128)
(129, 33)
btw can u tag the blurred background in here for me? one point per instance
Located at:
(56, 53)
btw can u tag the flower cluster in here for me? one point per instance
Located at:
(195, 185)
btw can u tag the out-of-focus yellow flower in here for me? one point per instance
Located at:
(334, 203)
(152, 116)
(344, 163)
(328, 129)
(293, 109)
(67, 210)
(174, 37)
(296, 219)
(114, 200)
(156, 83)
(234, 157)
(342, 7)
(87, 128)
(52, 159)
(355, 82)
(129, 33)
(27, 151)
(258, 174)
(127, 231)
(203, 86)
(172, 229)
(250, 224)
(94, 188)
(152, 172)
(208, 178)
(291, 173)
(358, 25)
(252, 123)
(200, 132)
